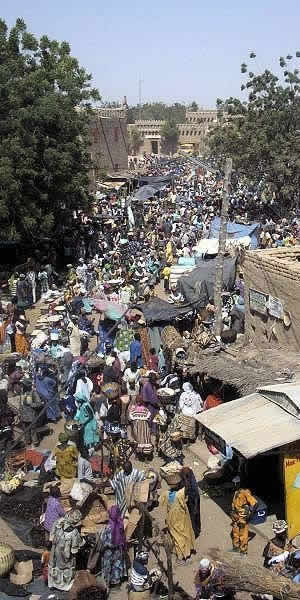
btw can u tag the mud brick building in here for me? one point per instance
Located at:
(108, 142)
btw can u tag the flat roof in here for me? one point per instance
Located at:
(252, 424)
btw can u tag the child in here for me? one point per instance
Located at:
(166, 276)
(153, 360)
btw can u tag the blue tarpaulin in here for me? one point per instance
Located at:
(235, 231)
(187, 261)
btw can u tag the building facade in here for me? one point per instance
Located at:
(272, 310)
(192, 133)
(150, 134)
(108, 142)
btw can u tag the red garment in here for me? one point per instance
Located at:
(153, 362)
(212, 401)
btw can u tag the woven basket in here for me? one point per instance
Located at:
(171, 338)
(7, 558)
(111, 390)
(172, 478)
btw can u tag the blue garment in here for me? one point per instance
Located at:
(85, 415)
(104, 338)
(136, 353)
(171, 497)
(46, 387)
(85, 325)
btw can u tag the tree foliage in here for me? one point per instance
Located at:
(170, 134)
(45, 102)
(193, 106)
(262, 134)
(158, 111)
(135, 140)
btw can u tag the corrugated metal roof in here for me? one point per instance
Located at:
(252, 424)
(286, 395)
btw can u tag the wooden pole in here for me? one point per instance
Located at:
(222, 247)
(168, 551)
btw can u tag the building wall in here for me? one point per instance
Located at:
(193, 131)
(273, 272)
(149, 130)
(207, 116)
(109, 142)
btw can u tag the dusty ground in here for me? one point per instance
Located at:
(214, 514)
(215, 520)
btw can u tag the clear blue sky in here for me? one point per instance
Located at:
(183, 50)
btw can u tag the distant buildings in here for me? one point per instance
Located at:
(192, 133)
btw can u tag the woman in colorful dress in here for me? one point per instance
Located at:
(140, 417)
(111, 546)
(190, 403)
(66, 543)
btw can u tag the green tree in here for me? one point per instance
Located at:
(135, 140)
(193, 106)
(44, 111)
(261, 134)
(170, 134)
(158, 111)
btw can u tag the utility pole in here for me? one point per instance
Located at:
(140, 98)
(222, 247)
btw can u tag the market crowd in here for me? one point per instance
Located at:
(90, 366)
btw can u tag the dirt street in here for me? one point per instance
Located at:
(214, 517)
(214, 512)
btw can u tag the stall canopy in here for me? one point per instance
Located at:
(235, 231)
(198, 286)
(158, 310)
(161, 179)
(256, 423)
(145, 192)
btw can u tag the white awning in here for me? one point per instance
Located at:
(251, 425)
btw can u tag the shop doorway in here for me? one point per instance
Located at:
(154, 146)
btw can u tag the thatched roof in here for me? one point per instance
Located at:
(245, 374)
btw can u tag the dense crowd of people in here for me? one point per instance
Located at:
(89, 365)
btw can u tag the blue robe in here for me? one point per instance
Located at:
(136, 353)
(46, 388)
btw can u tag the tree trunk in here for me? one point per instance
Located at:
(222, 246)
(242, 574)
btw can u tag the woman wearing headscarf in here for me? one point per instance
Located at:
(139, 416)
(111, 549)
(193, 498)
(85, 414)
(109, 373)
(66, 543)
(21, 342)
(66, 456)
(190, 403)
(178, 520)
(149, 393)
